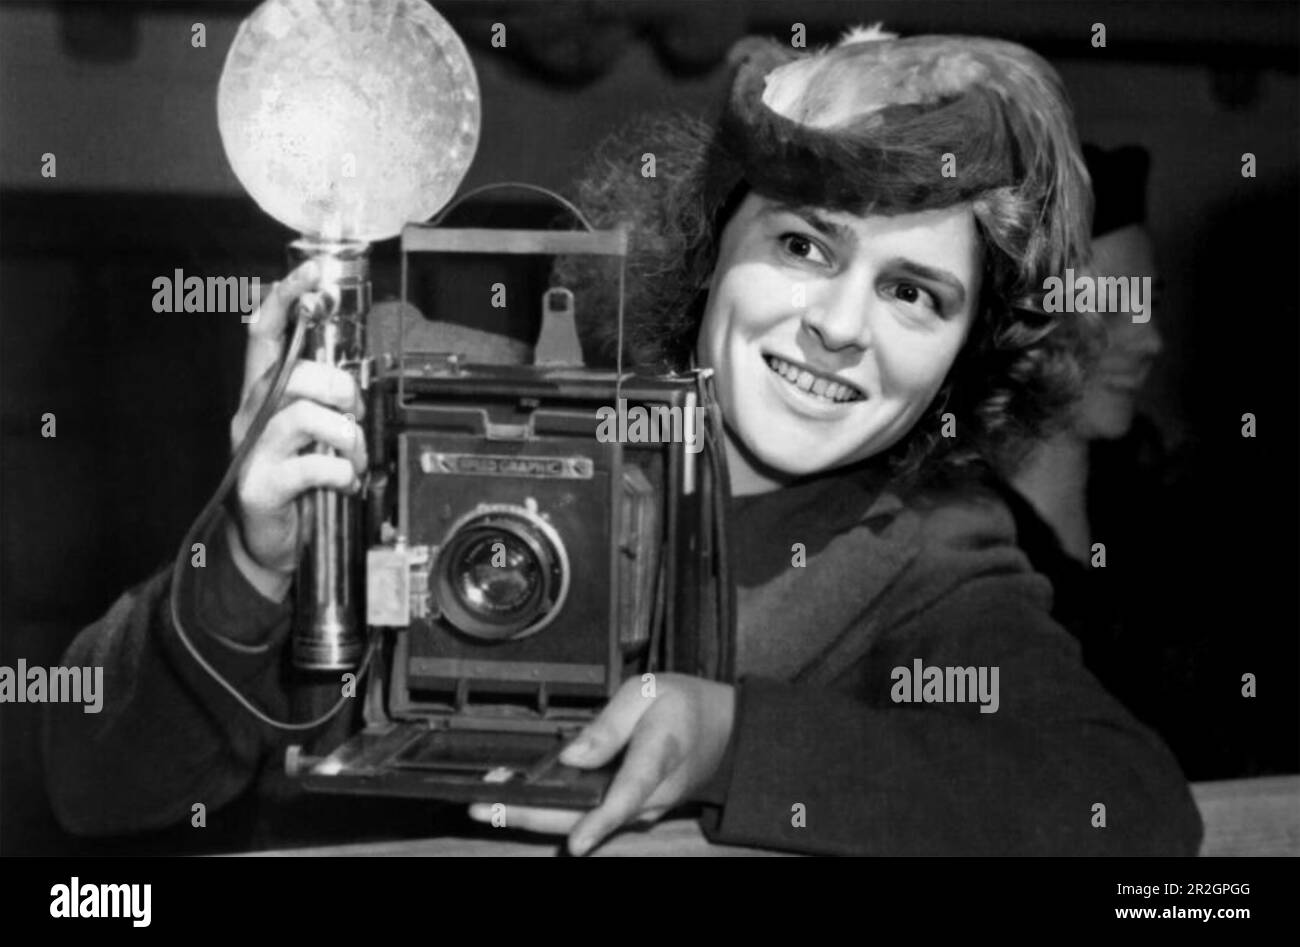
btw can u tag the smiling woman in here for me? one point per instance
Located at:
(876, 306)
(870, 196)
(852, 296)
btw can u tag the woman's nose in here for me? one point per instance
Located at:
(838, 314)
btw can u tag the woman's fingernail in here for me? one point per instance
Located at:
(579, 846)
(576, 750)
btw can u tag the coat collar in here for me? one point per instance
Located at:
(810, 561)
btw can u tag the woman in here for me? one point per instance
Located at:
(860, 297)
(853, 298)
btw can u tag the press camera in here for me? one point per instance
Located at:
(517, 568)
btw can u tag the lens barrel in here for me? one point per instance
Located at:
(502, 573)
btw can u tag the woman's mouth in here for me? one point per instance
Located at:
(813, 384)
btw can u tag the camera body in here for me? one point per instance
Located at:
(520, 564)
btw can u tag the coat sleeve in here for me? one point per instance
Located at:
(167, 735)
(875, 777)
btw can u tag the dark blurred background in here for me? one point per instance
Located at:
(118, 93)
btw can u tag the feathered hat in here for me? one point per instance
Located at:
(879, 124)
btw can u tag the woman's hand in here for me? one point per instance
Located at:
(675, 728)
(321, 404)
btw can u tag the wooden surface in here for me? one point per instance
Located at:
(1250, 816)
(1242, 817)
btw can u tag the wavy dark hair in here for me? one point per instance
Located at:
(1012, 383)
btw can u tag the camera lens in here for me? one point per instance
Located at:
(502, 573)
(497, 574)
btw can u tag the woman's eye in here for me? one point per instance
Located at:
(805, 248)
(912, 294)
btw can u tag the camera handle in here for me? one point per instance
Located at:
(327, 634)
(204, 520)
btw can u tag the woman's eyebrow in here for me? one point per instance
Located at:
(923, 271)
(840, 232)
(827, 228)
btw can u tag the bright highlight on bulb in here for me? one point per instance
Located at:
(345, 119)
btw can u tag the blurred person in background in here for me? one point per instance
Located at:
(1106, 478)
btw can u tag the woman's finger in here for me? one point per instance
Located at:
(527, 818)
(292, 477)
(650, 816)
(654, 755)
(304, 423)
(605, 737)
(326, 384)
(314, 381)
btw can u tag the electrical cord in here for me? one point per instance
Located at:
(204, 520)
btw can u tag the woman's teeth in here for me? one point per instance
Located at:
(806, 381)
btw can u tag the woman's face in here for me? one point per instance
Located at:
(830, 333)
(1110, 397)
